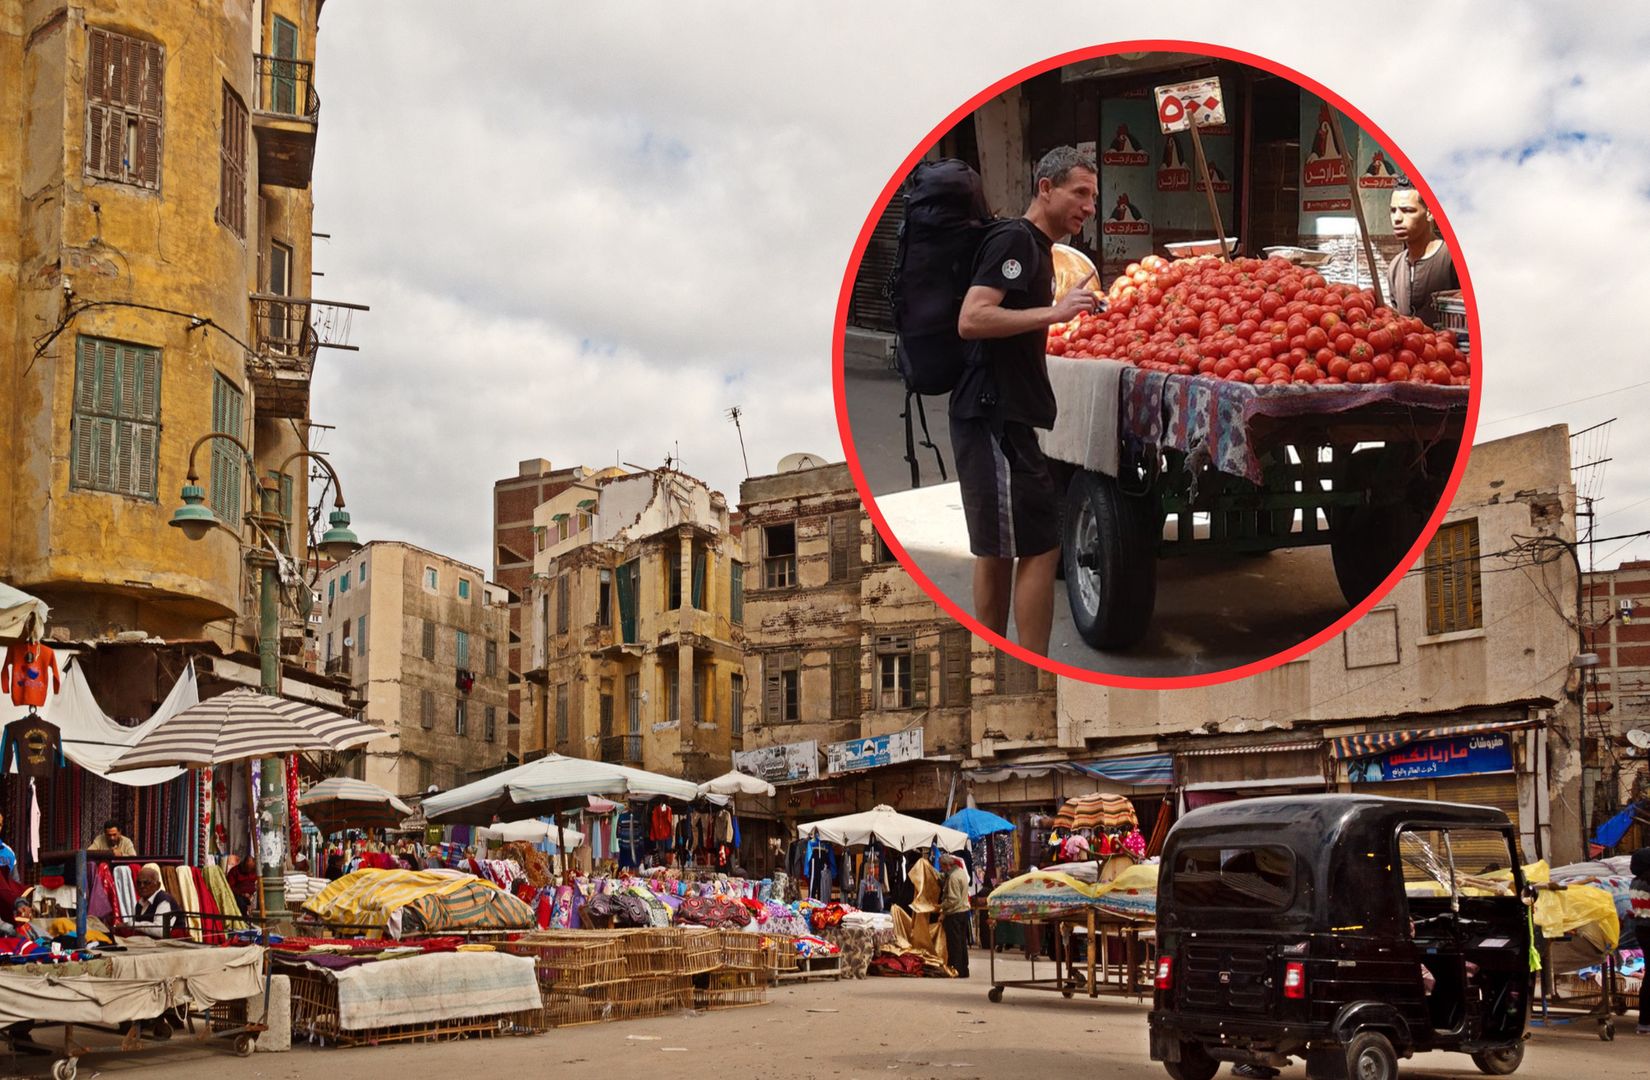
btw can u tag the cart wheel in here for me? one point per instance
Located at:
(994, 995)
(1502, 1061)
(1066, 993)
(1367, 542)
(1608, 1031)
(1109, 552)
(160, 1031)
(244, 1045)
(65, 1069)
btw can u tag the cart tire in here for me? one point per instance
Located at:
(161, 1031)
(1067, 993)
(1117, 536)
(1502, 1061)
(994, 995)
(1367, 542)
(1369, 1056)
(244, 1045)
(65, 1069)
(1194, 1064)
(1607, 1032)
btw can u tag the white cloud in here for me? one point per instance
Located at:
(587, 231)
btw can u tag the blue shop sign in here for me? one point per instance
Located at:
(1462, 755)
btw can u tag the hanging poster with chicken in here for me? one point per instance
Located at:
(1182, 210)
(1326, 201)
(1128, 126)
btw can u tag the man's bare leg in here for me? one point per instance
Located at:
(993, 589)
(1034, 600)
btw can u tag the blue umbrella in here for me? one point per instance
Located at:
(977, 823)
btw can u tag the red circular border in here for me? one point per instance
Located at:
(954, 609)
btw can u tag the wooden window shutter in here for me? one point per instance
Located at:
(147, 449)
(429, 640)
(108, 378)
(97, 65)
(845, 683)
(839, 547)
(132, 64)
(955, 648)
(920, 661)
(154, 84)
(772, 688)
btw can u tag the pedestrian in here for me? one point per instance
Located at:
(111, 840)
(1003, 397)
(1638, 900)
(954, 913)
(1424, 267)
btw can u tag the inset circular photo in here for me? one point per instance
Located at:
(1155, 364)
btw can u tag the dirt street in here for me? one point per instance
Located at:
(899, 1029)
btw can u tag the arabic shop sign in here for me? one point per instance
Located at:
(783, 764)
(1459, 756)
(856, 754)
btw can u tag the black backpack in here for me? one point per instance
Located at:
(946, 218)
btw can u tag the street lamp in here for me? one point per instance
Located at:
(195, 519)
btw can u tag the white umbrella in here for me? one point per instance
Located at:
(549, 781)
(239, 725)
(736, 783)
(885, 825)
(533, 831)
(339, 802)
(15, 608)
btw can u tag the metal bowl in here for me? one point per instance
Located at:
(1191, 248)
(1298, 255)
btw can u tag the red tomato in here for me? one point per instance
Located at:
(1325, 359)
(1329, 321)
(1316, 339)
(1399, 372)
(1361, 353)
(1360, 373)
(1338, 367)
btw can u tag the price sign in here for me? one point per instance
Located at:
(1180, 105)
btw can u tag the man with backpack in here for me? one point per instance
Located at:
(1003, 396)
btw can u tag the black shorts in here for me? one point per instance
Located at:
(1008, 495)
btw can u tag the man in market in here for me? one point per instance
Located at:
(1424, 268)
(1003, 397)
(156, 908)
(111, 840)
(954, 912)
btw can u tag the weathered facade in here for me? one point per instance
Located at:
(633, 644)
(844, 645)
(514, 500)
(1479, 635)
(1616, 693)
(421, 637)
(156, 173)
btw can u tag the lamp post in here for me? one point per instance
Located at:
(195, 519)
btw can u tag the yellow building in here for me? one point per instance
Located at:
(632, 639)
(155, 161)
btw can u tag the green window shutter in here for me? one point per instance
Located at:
(698, 598)
(463, 648)
(736, 593)
(628, 581)
(225, 493)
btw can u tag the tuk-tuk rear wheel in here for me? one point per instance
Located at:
(1369, 1056)
(1194, 1064)
(1502, 1061)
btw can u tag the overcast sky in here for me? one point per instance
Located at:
(586, 231)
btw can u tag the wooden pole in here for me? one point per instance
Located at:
(1208, 188)
(1358, 208)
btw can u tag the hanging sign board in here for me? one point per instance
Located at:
(1181, 104)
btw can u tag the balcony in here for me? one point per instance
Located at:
(287, 332)
(338, 665)
(622, 749)
(285, 109)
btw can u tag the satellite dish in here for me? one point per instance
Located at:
(798, 462)
(1639, 738)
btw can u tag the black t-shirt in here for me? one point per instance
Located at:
(1007, 378)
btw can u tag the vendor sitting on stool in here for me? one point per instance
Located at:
(157, 910)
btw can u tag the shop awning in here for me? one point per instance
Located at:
(1368, 744)
(1260, 748)
(15, 608)
(1136, 769)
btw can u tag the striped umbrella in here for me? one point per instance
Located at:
(239, 725)
(342, 803)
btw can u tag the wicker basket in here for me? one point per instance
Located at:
(315, 1017)
(571, 959)
(701, 951)
(731, 990)
(742, 951)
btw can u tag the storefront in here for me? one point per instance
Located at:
(1211, 774)
(1491, 763)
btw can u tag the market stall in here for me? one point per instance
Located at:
(1116, 918)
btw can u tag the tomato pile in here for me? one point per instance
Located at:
(1258, 321)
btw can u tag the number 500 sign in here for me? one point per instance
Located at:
(1180, 105)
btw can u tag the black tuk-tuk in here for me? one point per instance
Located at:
(1348, 930)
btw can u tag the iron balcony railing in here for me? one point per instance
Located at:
(295, 326)
(284, 86)
(622, 749)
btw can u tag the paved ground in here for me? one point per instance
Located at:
(896, 1028)
(1213, 612)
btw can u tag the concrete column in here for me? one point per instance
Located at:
(684, 695)
(1000, 132)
